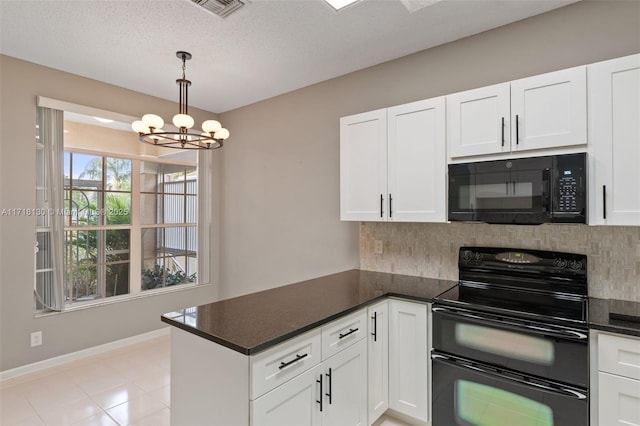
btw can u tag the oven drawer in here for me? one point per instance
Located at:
(537, 349)
(470, 393)
(619, 355)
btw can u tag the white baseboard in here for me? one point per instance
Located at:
(74, 356)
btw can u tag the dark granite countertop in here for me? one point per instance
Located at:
(616, 316)
(254, 322)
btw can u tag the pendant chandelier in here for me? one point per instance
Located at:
(150, 126)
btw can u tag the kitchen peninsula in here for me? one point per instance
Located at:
(220, 349)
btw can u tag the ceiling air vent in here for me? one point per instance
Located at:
(221, 8)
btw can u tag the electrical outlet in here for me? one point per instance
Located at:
(379, 247)
(36, 338)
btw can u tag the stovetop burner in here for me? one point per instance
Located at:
(541, 285)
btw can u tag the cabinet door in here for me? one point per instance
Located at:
(363, 166)
(378, 361)
(478, 121)
(614, 127)
(549, 110)
(618, 400)
(417, 161)
(345, 402)
(408, 358)
(294, 403)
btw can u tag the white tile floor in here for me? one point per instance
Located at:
(127, 386)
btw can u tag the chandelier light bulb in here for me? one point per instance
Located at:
(139, 127)
(211, 126)
(222, 134)
(152, 120)
(183, 120)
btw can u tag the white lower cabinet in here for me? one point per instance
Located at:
(345, 387)
(345, 373)
(618, 380)
(408, 359)
(618, 400)
(378, 360)
(295, 403)
(333, 393)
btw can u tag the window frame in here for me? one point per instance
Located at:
(203, 222)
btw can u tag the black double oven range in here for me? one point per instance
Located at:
(510, 341)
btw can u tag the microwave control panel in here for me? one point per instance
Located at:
(568, 188)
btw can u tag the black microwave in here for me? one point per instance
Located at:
(528, 191)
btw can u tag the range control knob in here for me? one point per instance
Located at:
(575, 265)
(466, 256)
(560, 263)
(477, 256)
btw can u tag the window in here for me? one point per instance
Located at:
(123, 214)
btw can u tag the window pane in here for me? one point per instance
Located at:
(84, 207)
(43, 255)
(192, 180)
(118, 174)
(174, 206)
(167, 258)
(44, 286)
(117, 244)
(86, 170)
(150, 210)
(118, 211)
(192, 209)
(82, 283)
(81, 247)
(117, 279)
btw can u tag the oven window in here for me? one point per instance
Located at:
(481, 405)
(505, 343)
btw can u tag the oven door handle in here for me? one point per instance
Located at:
(568, 334)
(546, 386)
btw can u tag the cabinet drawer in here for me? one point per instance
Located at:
(343, 332)
(281, 363)
(619, 355)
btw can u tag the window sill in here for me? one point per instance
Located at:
(119, 299)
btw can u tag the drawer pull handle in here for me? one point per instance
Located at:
(286, 364)
(348, 333)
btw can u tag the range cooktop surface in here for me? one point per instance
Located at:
(541, 285)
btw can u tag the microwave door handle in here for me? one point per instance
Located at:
(538, 384)
(566, 334)
(547, 202)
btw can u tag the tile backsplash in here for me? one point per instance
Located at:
(431, 250)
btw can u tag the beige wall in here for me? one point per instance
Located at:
(20, 83)
(281, 171)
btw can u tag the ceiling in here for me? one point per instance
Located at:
(264, 49)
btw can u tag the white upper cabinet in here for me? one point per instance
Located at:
(417, 161)
(614, 128)
(549, 110)
(477, 121)
(393, 164)
(363, 166)
(539, 112)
